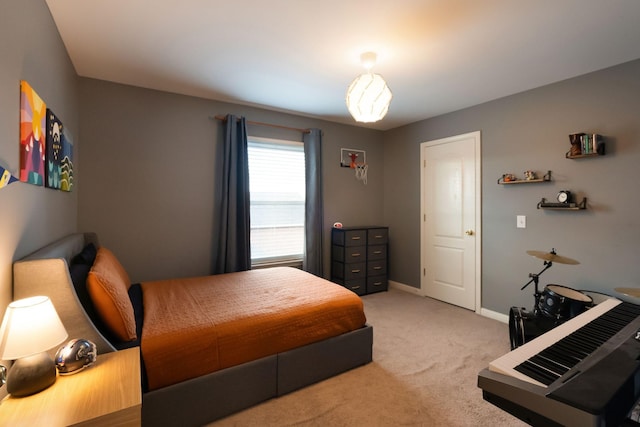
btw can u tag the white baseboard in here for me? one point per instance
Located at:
(483, 311)
(405, 288)
(504, 318)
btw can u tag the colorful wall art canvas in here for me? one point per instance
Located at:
(66, 165)
(53, 155)
(33, 112)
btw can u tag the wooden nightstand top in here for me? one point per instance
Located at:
(105, 394)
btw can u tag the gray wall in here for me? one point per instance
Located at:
(530, 131)
(148, 175)
(32, 50)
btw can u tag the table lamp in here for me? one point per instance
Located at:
(30, 327)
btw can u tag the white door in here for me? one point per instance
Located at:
(450, 241)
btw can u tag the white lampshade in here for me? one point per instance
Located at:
(368, 98)
(30, 326)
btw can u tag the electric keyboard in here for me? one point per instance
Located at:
(583, 372)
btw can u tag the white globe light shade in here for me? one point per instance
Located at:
(368, 98)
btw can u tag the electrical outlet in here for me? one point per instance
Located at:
(521, 221)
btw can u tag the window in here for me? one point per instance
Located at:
(277, 199)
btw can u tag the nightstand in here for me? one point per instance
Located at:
(105, 394)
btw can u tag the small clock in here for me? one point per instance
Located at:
(564, 196)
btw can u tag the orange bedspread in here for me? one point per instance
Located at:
(199, 325)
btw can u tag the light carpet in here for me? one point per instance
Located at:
(426, 359)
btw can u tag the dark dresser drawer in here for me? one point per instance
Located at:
(349, 237)
(376, 268)
(356, 270)
(377, 236)
(348, 253)
(376, 284)
(376, 252)
(358, 286)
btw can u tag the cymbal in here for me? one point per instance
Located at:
(632, 292)
(553, 257)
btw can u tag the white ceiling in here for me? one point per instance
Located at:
(299, 56)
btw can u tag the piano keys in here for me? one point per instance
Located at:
(583, 372)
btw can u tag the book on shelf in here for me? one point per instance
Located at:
(592, 144)
(586, 144)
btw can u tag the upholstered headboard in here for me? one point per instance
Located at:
(46, 272)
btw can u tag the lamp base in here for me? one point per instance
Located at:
(31, 374)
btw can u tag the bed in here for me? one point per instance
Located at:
(250, 364)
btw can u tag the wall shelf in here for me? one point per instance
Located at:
(543, 204)
(586, 145)
(582, 156)
(545, 178)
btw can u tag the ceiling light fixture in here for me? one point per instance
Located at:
(368, 96)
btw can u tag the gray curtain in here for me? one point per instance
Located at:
(234, 244)
(313, 221)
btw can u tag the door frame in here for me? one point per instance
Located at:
(478, 210)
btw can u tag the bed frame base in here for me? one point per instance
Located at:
(204, 399)
(315, 362)
(219, 394)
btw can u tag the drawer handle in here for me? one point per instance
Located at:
(355, 238)
(377, 284)
(355, 271)
(355, 288)
(377, 267)
(377, 236)
(377, 252)
(357, 254)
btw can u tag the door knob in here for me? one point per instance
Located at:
(469, 232)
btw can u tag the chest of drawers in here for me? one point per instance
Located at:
(359, 258)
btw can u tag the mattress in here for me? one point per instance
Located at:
(196, 326)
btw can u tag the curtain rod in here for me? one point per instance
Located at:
(249, 122)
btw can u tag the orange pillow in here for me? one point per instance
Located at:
(108, 285)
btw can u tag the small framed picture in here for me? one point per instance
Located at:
(350, 157)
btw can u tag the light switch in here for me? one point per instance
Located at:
(521, 221)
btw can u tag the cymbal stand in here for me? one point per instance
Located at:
(535, 279)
